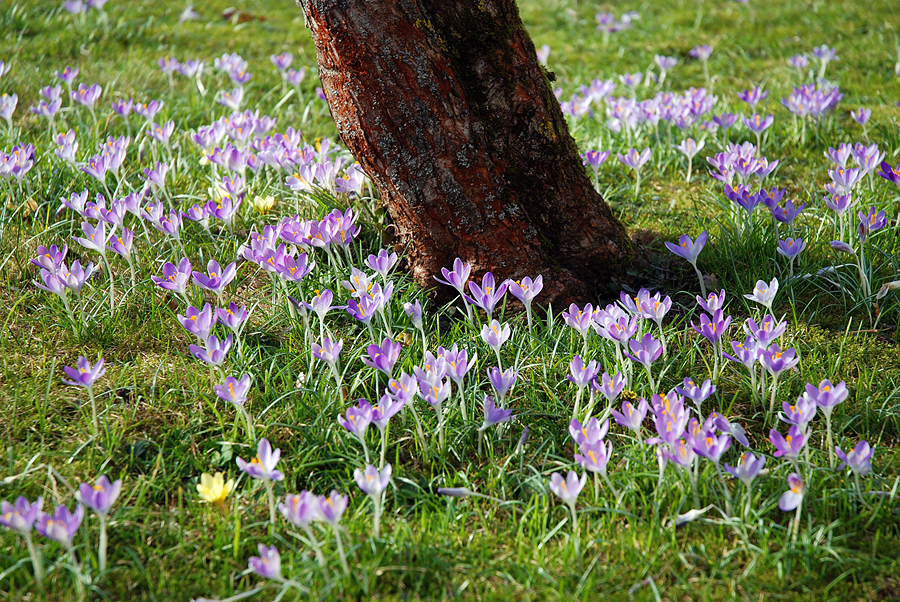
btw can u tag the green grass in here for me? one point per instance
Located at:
(163, 427)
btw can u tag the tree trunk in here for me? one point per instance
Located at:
(447, 109)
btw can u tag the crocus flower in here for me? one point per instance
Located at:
(702, 52)
(50, 259)
(690, 250)
(713, 303)
(87, 95)
(758, 124)
(567, 489)
(232, 317)
(503, 381)
(494, 335)
(215, 351)
(827, 396)
(754, 96)
(800, 413)
(791, 498)
(777, 361)
(457, 277)
(21, 517)
(388, 407)
(100, 497)
(581, 374)
(595, 159)
(217, 278)
(95, 237)
(76, 277)
(859, 459)
(696, 393)
(487, 295)
(358, 419)
(61, 525)
(234, 390)
(525, 290)
(333, 507)
(580, 319)
(282, 61)
(373, 482)
(214, 489)
(592, 432)
(646, 351)
(712, 328)
(610, 386)
(594, 457)
(748, 468)
(494, 415)
(198, 322)
(790, 247)
(267, 564)
(631, 417)
(67, 75)
(414, 311)
(300, 509)
(789, 446)
(871, 222)
(231, 99)
(636, 161)
(383, 358)
(328, 351)
(321, 304)
(175, 278)
(382, 263)
(763, 293)
(711, 447)
(889, 173)
(84, 375)
(263, 465)
(767, 331)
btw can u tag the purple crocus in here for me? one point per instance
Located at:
(767, 331)
(594, 457)
(101, 496)
(358, 418)
(791, 498)
(267, 564)
(646, 351)
(581, 374)
(61, 526)
(494, 415)
(67, 75)
(712, 328)
(567, 490)
(696, 393)
(84, 375)
(382, 263)
(748, 468)
(610, 386)
(282, 61)
(457, 278)
(383, 358)
(328, 351)
(891, 174)
(494, 335)
(525, 290)
(502, 381)
(198, 322)
(214, 352)
(263, 465)
(233, 390)
(486, 296)
(764, 293)
(373, 482)
(300, 509)
(754, 96)
(690, 250)
(175, 278)
(87, 95)
(858, 459)
(777, 361)
(217, 278)
(21, 517)
(800, 413)
(868, 223)
(333, 507)
(789, 446)
(635, 160)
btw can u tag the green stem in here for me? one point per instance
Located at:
(95, 423)
(340, 548)
(270, 493)
(101, 553)
(36, 562)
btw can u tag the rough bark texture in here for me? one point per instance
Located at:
(446, 107)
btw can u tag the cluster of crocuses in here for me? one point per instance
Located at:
(17, 163)
(682, 439)
(61, 526)
(303, 510)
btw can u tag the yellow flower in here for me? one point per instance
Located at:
(214, 489)
(263, 204)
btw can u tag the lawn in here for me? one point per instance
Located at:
(159, 417)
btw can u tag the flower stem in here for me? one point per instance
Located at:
(101, 552)
(340, 548)
(270, 494)
(95, 423)
(36, 562)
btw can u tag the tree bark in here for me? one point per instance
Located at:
(445, 106)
